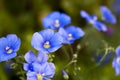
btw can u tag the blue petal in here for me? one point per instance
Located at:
(107, 15)
(47, 22)
(25, 66)
(44, 78)
(114, 63)
(54, 15)
(63, 34)
(64, 19)
(42, 57)
(39, 67)
(13, 41)
(30, 57)
(49, 70)
(100, 26)
(118, 51)
(75, 31)
(85, 15)
(37, 41)
(117, 69)
(31, 75)
(3, 43)
(79, 33)
(46, 34)
(5, 57)
(55, 42)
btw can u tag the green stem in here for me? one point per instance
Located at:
(65, 51)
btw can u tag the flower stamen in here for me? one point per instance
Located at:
(47, 45)
(57, 23)
(39, 77)
(69, 36)
(9, 50)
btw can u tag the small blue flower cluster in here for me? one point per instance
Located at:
(37, 67)
(47, 41)
(58, 21)
(106, 15)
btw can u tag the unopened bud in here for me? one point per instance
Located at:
(65, 75)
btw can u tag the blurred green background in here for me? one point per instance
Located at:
(24, 17)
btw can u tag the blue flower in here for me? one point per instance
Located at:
(107, 15)
(56, 20)
(42, 72)
(93, 20)
(116, 61)
(8, 47)
(47, 41)
(31, 59)
(90, 19)
(70, 34)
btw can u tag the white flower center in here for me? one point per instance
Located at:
(47, 44)
(69, 36)
(9, 50)
(57, 23)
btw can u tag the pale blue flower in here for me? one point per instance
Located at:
(47, 41)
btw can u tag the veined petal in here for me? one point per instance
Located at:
(13, 41)
(42, 57)
(37, 41)
(46, 34)
(31, 75)
(62, 32)
(30, 57)
(49, 70)
(38, 67)
(56, 42)
(64, 35)
(25, 66)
